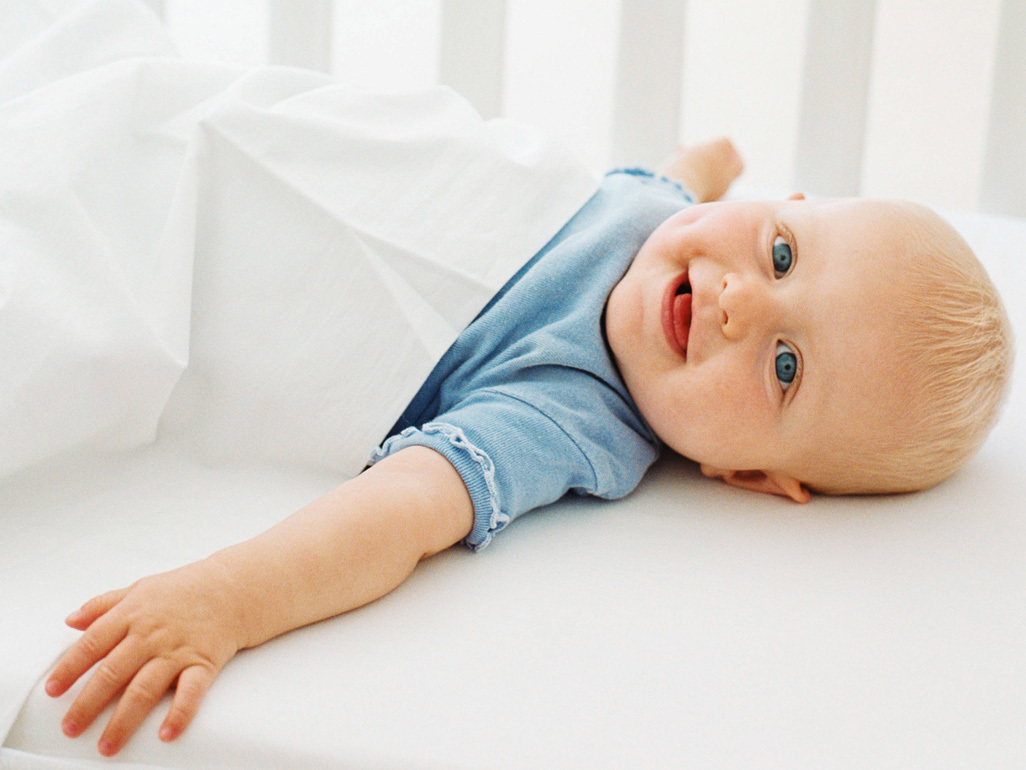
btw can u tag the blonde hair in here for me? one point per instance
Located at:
(956, 348)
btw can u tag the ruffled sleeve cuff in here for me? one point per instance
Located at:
(474, 466)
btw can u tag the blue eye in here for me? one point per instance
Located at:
(787, 365)
(782, 257)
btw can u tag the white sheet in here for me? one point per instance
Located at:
(688, 625)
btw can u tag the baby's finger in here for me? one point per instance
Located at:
(93, 645)
(113, 673)
(83, 617)
(193, 684)
(142, 694)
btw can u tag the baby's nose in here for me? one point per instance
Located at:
(746, 305)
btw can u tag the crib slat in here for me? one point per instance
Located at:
(1003, 186)
(300, 33)
(472, 55)
(835, 86)
(650, 57)
(157, 6)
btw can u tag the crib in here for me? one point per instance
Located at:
(820, 96)
(690, 624)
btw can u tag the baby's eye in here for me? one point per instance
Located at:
(782, 257)
(787, 365)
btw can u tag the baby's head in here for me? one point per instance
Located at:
(843, 346)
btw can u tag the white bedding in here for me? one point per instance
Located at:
(689, 625)
(262, 226)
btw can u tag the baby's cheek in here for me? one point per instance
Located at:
(677, 417)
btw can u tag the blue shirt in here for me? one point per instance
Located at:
(527, 404)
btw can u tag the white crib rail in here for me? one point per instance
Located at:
(1004, 170)
(923, 99)
(473, 51)
(650, 58)
(835, 96)
(300, 33)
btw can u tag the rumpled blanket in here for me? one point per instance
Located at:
(236, 265)
(265, 260)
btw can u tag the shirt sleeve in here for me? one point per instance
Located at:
(514, 457)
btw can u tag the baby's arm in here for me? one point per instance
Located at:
(707, 170)
(344, 550)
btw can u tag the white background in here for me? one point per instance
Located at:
(930, 83)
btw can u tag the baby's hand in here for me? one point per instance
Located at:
(180, 626)
(707, 170)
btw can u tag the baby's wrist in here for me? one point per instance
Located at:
(244, 614)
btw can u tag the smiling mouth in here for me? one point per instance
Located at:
(676, 314)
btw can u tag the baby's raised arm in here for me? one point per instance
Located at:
(348, 548)
(707, 170)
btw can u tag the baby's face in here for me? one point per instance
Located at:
(754, 334)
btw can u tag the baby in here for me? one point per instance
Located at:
(837, 346)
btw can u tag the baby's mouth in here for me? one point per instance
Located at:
(676, 314)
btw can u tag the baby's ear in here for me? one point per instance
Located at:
(761, 481)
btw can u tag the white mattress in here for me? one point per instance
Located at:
(688, 625)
